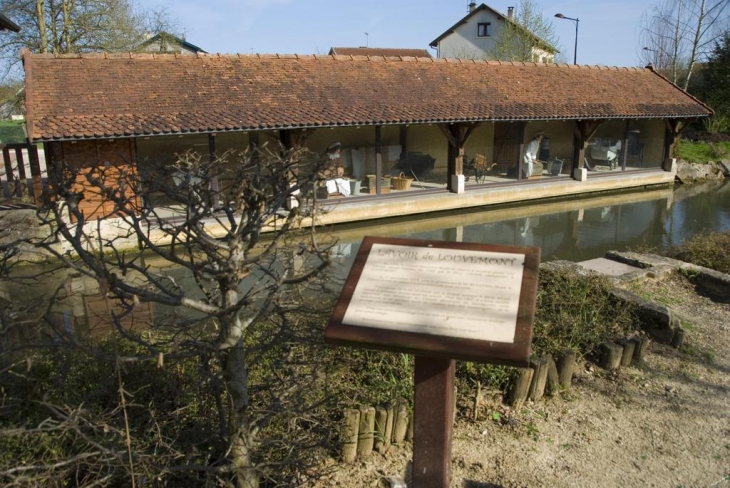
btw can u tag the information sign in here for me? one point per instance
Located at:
(443, 299)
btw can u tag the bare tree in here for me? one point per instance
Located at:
(205, 255)
(68, 26)
(527, 32)
(677, 34)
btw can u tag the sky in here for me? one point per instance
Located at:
(608, 34)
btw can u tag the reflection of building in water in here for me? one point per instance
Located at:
(525, 228)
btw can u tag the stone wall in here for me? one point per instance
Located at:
(688, 172)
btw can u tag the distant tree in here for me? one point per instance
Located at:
(714, 87)
(69, 26)
(677, 34)
(12, 98)
(527, 31)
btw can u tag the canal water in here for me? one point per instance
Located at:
(574, 229)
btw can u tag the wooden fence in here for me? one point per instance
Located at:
(367, 429)
(22, 175)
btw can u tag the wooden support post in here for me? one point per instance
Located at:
(678, 337)
(520, 148)
(291, 140)
(378, 160)
(434, 416)
(520, 387)
(400, 423)
(553, 378)
(642, 345)
(539, 378)
(411, 427)
(566, 366)
(22, 180)
(351, 428)
(583, 131)
(381, 426)
(366, 434)
(214, 186)
(477, 402)
(389, 423)
(611, 354)
(673, 128)
(8, 171)
(254, 141)
(403, 141)
(628, 351)
(625, 147)
(35, 172)
(456, 135)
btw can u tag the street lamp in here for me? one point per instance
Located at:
(575, 51)
(656, 54)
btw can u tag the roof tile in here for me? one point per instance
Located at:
(107, 95)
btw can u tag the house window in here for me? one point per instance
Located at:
(484, 29)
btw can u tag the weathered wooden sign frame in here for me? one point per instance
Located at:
(515, 353)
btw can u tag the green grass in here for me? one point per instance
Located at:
(12, 132)
(702, 152)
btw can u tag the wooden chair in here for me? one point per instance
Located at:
(480, 167)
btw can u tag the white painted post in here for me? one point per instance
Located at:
(580, 174)
(457, 183)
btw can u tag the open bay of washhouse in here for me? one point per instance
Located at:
(403, 135)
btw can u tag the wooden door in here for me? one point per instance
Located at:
(506, 145)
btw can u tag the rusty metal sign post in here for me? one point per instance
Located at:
(439, 301)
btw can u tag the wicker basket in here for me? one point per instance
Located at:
(401, 182)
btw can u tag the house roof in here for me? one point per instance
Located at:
(123, 95)
(7, 24)
(170, 37)
(379, 51)
(499, 15)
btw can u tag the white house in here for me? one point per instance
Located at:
(475, 36)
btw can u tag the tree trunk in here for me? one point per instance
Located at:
(240, 440)
(66, 34)
(55, 47)
(42, 34)
(696, 42)
(236, 380)
(677, 39)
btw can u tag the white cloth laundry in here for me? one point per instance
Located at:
(338, 185)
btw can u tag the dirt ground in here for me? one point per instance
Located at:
(665, 424)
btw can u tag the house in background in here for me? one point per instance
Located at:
(7, 24)
(164, 42)
(476, 35)
(379, 51)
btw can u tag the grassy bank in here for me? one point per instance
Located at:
(709, 250)
(702, 152)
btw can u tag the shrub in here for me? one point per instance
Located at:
(709, 249)
(62, 423)
(576, 311)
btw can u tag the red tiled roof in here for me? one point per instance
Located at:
(115, 95)
(379, 51)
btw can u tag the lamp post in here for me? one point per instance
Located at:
(656, 54)
(575, 51)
